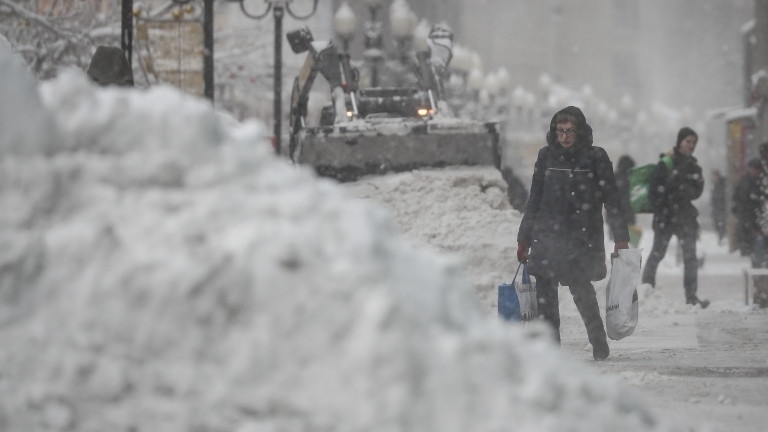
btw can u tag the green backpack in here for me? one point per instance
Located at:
(639, 182)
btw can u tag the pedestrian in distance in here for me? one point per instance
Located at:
(561, 235)
(717, 202)
(672, 192)
(763, 151)
(624, 164)
(517, 193)
(747, 206)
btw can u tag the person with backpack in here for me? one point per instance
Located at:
(563, 223)
(623, 168)
(671, 193)
(747, 206)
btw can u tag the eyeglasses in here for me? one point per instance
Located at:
(569, 132)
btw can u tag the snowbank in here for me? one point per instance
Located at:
(161, 270)
(459, 212)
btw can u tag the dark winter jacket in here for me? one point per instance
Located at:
(622, 183)
(748, 208)
(563, 221)
(672, 191)
(717, 200)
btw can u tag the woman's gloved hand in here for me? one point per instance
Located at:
(522, 252)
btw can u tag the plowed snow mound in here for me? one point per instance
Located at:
(194, 282)
(460, 211)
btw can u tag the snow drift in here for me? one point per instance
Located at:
(161, 270)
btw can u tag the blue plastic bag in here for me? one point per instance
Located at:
(509, 303)
(517, 300)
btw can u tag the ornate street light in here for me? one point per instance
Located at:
(345, 24)
(475, 79)
(126, 30)
(373, 41)
(277, 7)
(491, 84)
(421, 35)
(402, 22)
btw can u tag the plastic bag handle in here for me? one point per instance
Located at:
(516, 272)
(526, 276)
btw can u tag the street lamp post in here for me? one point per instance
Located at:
(373, 41)
(278, 8)
(345, 24)
(126, 30)
(402, 22)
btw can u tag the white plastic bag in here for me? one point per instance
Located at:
(526, 294)
(621, 295)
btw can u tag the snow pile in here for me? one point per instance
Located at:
(463, 212)
(162, 271)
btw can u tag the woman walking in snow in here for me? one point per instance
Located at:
(563, 223)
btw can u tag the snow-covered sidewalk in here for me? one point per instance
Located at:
(702, 370)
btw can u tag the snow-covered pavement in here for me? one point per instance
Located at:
(161, 270)
(701, 370)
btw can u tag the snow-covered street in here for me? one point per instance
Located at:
(161, 270)
(702, 370)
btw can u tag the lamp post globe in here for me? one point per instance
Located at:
(462, 60)
(345, 24)
(402, 20)
(491, 84)
(502, 75)
(518, 97)
(421, 35)
(475, 79)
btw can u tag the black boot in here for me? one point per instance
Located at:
(696, 301)
(600, 350)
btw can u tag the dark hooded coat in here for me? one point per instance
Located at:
(748, 199)
(672, 193)
(625, 164)
(563, 221)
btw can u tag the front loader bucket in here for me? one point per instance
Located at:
(354, 149)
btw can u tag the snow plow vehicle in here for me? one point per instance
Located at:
(377, 130)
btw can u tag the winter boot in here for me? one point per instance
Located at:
(696, 301)
(600, 350)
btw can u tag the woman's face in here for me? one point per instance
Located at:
(566, 133)
(688, 145)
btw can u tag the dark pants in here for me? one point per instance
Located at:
(586, 302)
(687, 240)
